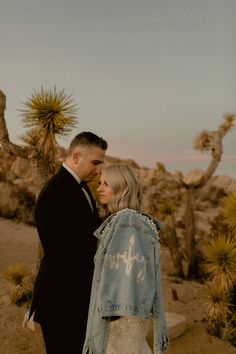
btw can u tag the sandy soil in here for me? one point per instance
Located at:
(18, 244)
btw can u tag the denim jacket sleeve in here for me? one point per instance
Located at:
(161, 339)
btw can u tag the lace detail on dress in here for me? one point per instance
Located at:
(127, 336)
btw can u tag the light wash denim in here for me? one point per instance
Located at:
(127, 278)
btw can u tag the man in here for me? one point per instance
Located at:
(66, 217)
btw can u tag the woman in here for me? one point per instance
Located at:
(127, 287)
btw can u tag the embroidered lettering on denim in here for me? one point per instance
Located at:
(129, 258)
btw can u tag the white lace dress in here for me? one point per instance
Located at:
(127, 336)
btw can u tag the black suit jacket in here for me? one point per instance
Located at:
(65, 224)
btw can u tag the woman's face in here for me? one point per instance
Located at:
(104, 191)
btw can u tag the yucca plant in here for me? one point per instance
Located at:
(229, 211)
(49, 114)
(229, 332)
(220, 254)
(20, 292)
(218, 309)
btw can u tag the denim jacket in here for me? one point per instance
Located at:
(127, 278)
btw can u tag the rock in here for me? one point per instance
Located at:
(176, 324)
(194, 176)
(20, 167)
(228, 184)
(113, 160)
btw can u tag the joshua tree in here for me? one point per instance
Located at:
(206, 141)
(168, 212)
(162, 203)
(48, 114)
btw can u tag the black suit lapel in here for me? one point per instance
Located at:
(84, 185)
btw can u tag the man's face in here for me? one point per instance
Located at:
(88, 162)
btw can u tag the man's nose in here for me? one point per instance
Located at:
(98, 169)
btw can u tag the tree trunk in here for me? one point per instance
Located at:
(190, 243)
(173, 245)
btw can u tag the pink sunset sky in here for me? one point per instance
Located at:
(182, 160)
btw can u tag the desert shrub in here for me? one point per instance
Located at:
(8, 202)
(218, 225)
(26, 205)
(218, 309)
(16, 203)
(20, 291)
(2, 176)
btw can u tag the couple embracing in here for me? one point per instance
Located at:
(98, 283)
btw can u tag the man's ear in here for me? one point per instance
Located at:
(76, 156)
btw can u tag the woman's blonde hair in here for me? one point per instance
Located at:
(125, 186)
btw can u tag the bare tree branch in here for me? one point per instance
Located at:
(4, 136)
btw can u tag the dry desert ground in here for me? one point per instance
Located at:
(18, 244)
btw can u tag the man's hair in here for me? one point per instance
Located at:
(125, 186)
(87, 139)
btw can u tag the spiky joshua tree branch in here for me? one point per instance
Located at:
(48, 114)
(206, 141)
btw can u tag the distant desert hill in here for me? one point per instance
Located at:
(17, 185)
